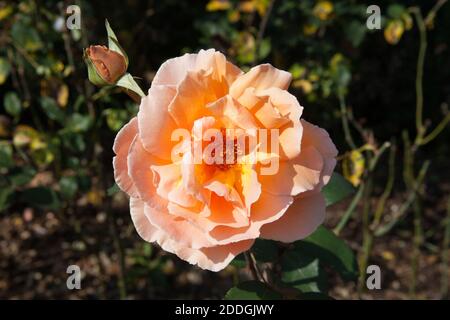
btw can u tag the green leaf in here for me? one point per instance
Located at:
(74, 141)
(52, 110)
(79, 123)
(116, 118)
(113, 42)
(20, 176)
(302, 271)
(6, 154)
(68, 187)
(5, 197)
(113, 190)
(127, 82)
(5, 69)
(264, 49)
(337, 189)
(25, 36)
(355, 32)
(265, 250)
(395, 11)
(330, 250)
(252, 290)
(41, 197)
(239, 261)
(12, 104)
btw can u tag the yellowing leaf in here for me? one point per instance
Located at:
(394, 31)
(309, 29)
(58, 67)
(5, 12)
(353, 167)
(303, 84)
(23, 135)
(43, 156)
(323, 10)
(63, 95)
(217, 5)
(95, 197)
(388, 255)
(407, 20)
(234, 16)
(5, 69)
(247, 6)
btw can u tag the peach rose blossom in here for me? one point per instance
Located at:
(207, 214)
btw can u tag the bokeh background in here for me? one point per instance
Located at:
(58, 202)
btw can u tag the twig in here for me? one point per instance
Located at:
(351, 208)
(388, 188)
(419, 73)
(347, 133)
(432, 13)
(436, 131)
(256, 273)
(383, 229)
(445, 258)
(262, 29)
(367, 236)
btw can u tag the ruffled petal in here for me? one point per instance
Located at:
(296, 176)
(121, 148)
(139, 162)
(300, 220)
(232, 114)
(143, 226)
(213, 258)
(177, 228)
(260, 77)
(155, 122)
(169, 185)
(320, 139)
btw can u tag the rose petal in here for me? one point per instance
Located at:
(169, 182)
(232, 114)
(173, 71)
(300, 220)
(155, 122)
(121, 147)
(177, 228)
(213, 258)
(139, 162)
(295, 176)
(260, 77)
(267, 209)
(319, 138)
(194, 92)
(143, 226)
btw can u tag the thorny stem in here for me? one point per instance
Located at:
(348, 213)
(436, 131)
(253, 266)
(422, 24)
(432, 13)
(383, 229)
(419, 74)
(388, 188)
(367, 237)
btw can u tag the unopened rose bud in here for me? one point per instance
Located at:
(105, 66)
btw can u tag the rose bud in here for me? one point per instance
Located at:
(105, 66)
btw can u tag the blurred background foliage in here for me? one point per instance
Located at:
(58, 201)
